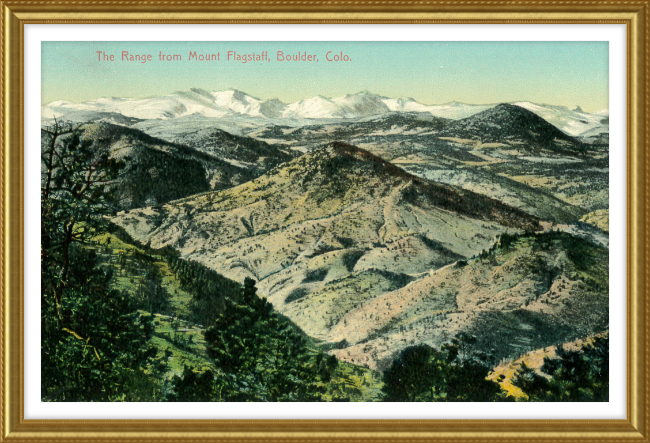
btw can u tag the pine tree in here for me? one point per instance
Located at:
(267, 354)
(155, 298)
(422, 373)
(194, 386)
(581, 375)
(94, 343)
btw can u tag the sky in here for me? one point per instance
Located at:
(556, 73)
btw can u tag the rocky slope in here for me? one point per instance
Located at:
(339, 221)
(529, 293)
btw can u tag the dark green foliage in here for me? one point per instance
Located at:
(155, 177)
(461, 264)
(75, 193)
(432, 244)
(350, 259)
(267, 354)
(506, 240)
(578, 249)
(412, 374)
(501, 332)
(150, 255)
(194, 386)
(120, 233)
(94, 343)
(154, 297)
(280, 341)
(346, 242)
(397, 280)
(581, 375)
(100, 343)
(585, 256)
(314, 275)
(422, 373)
(296, 294)
(209, 288)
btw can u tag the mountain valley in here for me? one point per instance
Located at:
(372, 224)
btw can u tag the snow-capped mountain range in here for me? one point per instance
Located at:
(230, 103)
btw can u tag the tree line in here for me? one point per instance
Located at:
(455, 373)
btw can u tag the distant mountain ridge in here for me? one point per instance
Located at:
(157, 171)
(233, 102)
(510, 123)
(244, 152)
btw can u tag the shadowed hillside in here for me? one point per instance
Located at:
(512, 124)
(245, 152)
(157, 171)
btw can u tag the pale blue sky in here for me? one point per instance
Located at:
(560, 73)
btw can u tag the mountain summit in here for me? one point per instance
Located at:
(333, 202)
(511, 123)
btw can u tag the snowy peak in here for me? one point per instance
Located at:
(242, 103)
(362, 104)
(166, 107)
(314, 107)
(572, 122)
(61, 103)
(397, 104)
(452, 110)
(200, 92)
(272, 108)
(364, 92)
(233, 96)
(235, 103)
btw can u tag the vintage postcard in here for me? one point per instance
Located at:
(325, 221)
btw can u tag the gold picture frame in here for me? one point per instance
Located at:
(635, 15)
